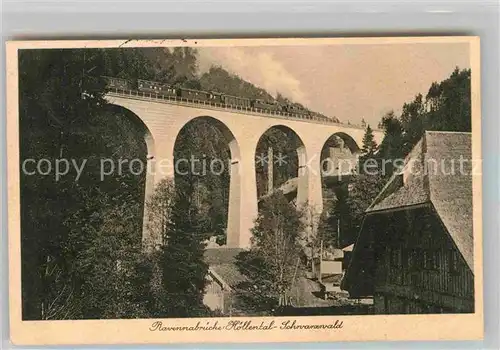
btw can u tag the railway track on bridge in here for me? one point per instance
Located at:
(175, 100)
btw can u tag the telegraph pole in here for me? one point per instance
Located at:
(270, 170)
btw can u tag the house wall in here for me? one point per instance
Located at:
(214, 296)
(418, 268)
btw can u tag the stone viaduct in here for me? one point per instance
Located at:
(163, 118)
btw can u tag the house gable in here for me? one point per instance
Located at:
(448, 198)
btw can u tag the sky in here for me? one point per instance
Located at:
(350, 82)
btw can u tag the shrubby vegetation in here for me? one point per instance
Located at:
(446, 107)
(271, 265)
(81, 254)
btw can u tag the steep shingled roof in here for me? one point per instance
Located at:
(222, 255)
(427, 179)
(229, 273)
(432, 175)
(451, 188)
(221, 261)
(406, 188)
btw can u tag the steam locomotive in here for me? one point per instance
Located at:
(211, 97)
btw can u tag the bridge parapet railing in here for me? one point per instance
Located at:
(197, 103)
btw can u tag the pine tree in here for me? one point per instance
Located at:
(449, 103)
(271, 264)
(340, 217)
(56, 122)
(183, 267)
(413, 119)
(367, 162)
(369, 144)
(391, 147)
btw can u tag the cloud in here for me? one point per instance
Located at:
(350, 82)
(258, 67)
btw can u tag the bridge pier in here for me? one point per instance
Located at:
(309, 189)
(160, 166)
(270, 170)
(242, 209)
(234, 205)
(309, 185)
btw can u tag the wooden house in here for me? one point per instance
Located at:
(329, 271)
(222, 278)
(414, 252)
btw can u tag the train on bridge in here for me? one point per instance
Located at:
(211, 97)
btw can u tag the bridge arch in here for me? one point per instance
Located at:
(138, 123)
(338, 155)
(225, 168)
(225, 130)
(294, 160)
(348, 141)
(148, 169)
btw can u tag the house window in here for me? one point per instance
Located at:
(452, 261)
(395, 257)
(405, 258)
(437, 259)
(430, 260)
(425, 259)
(405, 262)
(411, 258)
(417, 259)
(428, 227)
(415, 280)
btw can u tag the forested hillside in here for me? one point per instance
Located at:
(75, 230)
(446, 107)
(218, 79)
(70, 223)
